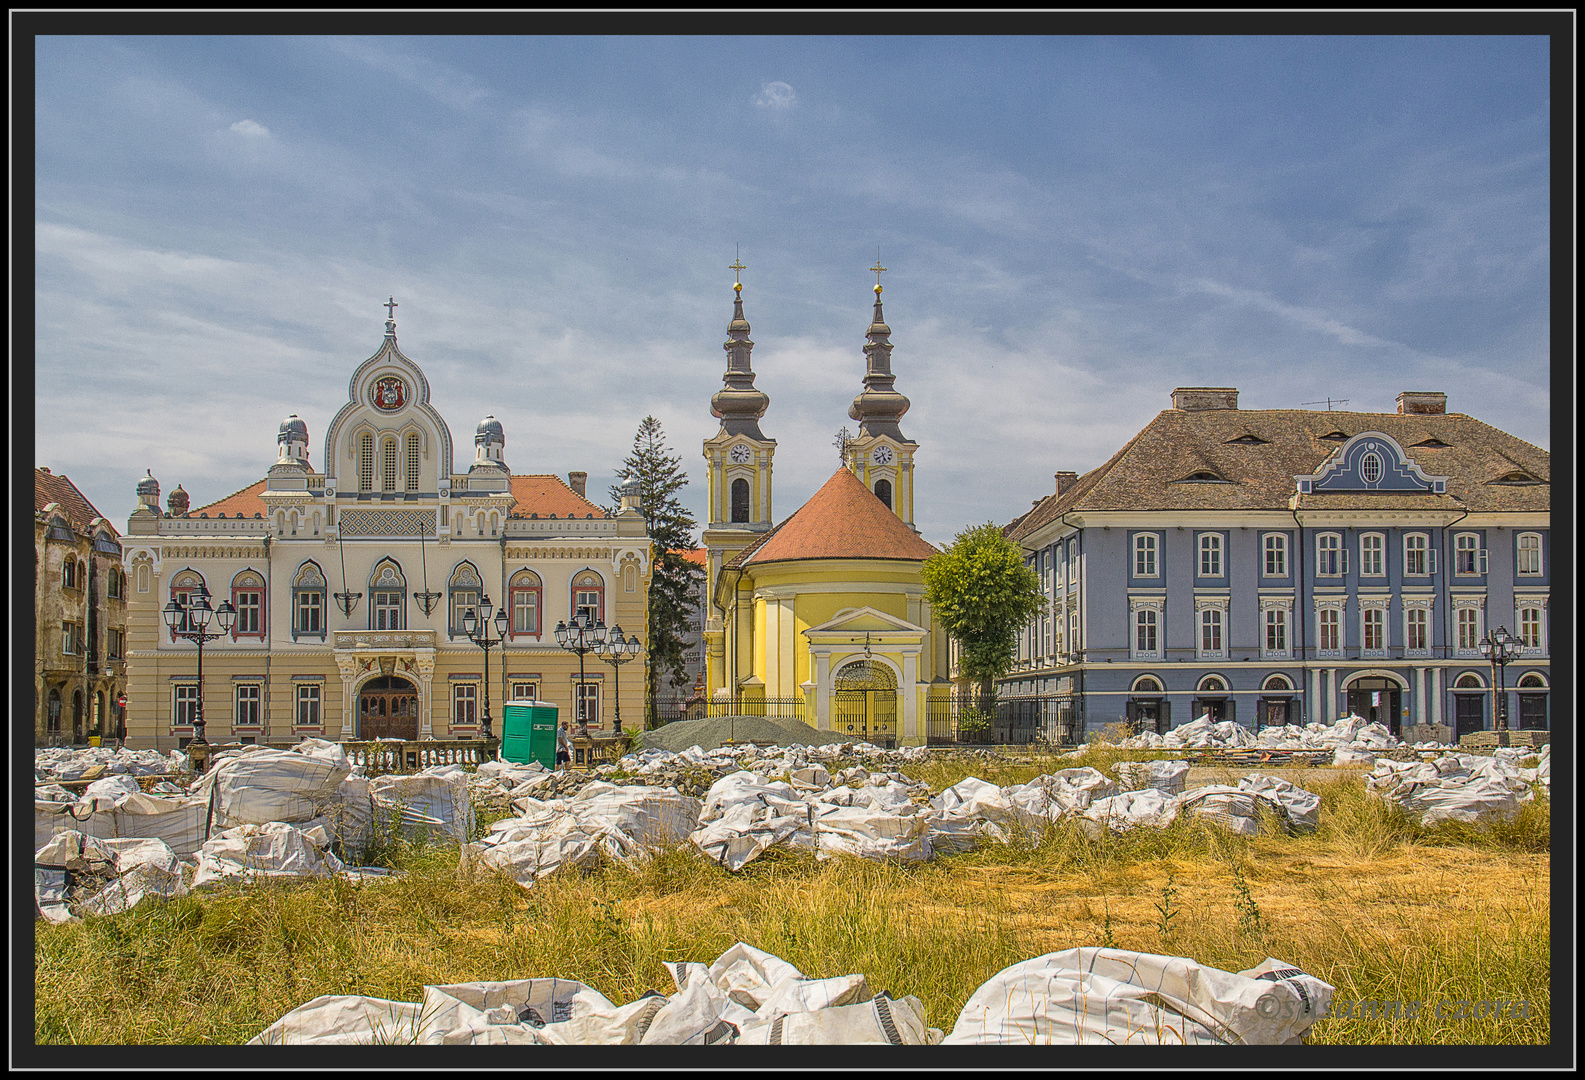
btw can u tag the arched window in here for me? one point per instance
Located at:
(387, 595)
(1372, 555)
(883, 492)
(1529, 553)
(1276, 550)
(1532, 681)
(526, 600)
(412, 461)
(1418, 556)
(183, 585)
(388, 464)
(1468, 681)
(1212, 684)
(247, 596)
(143, 577)
(69, 574)
(464, 588)
(365, 463)
(588, 595)
(308, 602)
(1147, 684)
(1469, 558)
(740, 500)
(1331, 558)
(1277, 682)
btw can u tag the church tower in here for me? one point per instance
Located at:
(738, 461)
(880, 454)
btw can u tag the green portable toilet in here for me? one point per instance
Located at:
(528, 733)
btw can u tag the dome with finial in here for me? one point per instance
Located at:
(880, 406)
(148, 485)
(293, 430)
(178, 501)
(490, 431)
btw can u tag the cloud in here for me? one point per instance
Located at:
(776, 95)
(251, 128)
(446, 84)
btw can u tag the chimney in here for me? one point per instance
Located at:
(1065, 481)
(44, 470)
(577, 481)
(1422, 403)
(1203, 398)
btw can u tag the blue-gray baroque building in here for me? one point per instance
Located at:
(1280, 566)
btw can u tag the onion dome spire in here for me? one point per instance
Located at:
(879, 407)
(737, 403)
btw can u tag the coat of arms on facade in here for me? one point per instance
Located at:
(390, 393)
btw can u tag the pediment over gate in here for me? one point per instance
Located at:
(867, 620)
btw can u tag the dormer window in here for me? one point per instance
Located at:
(1433, 443)
(1247, 439)
(1333, 436)
(1204, 476)
(1516, 479)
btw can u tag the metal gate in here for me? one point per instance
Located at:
(865, 703)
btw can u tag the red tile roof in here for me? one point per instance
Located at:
(696, 556)
(843, 520)
(545, 494)
(49, 488)
(244, 503)
(542, 495)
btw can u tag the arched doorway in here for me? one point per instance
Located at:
(1469, 705)
(77, 716)
(1213, 702)
(1148, 709)
(1275, 707)
(1532, 702)
(54, 708)
(865, 703)
(1379, 700)
(388, 709)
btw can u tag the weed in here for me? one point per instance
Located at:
(1164, 909)
(1250, 921)
(1107, 940)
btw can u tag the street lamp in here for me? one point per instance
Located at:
(483, 640)
(1501, 648)
(189, 618)
(617, 652)
(585, 635)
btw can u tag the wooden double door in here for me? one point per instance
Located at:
(388, 709)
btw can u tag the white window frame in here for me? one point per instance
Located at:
(69, 638)
(1520, 551)
(1330, 544)
(1282, 607)
(184, 704)
(1477, 606)
(1211, 544)
(586, 692)
(1202, 605)
(1336, 608)
(464, 693)
(244, 695)
(1378, 608)
(1538, 604)
(1423, 553)
(1147, 546)
(1477, 555)
(1138, 607)
(1423, 607)
(532, 686)
(309, 709)
(1073, 631)
(1373, 544)
(1274, 545)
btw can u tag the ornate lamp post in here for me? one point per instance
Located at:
(617, 652)
(1501, 648)
(477, 627)
(190, 619)
(585, 635)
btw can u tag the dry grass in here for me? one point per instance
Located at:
(1372, 903)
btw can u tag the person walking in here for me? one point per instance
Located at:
(563, 746)
(121, 728)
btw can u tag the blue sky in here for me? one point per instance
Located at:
(1073, 226)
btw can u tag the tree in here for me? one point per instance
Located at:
(671, 603)
(984, 596)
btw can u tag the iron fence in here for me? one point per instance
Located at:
(1054, 719)
(668, 708)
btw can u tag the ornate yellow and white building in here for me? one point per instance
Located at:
(823, 614)
(351, 581)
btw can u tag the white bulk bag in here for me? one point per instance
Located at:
(259, 785)
(1167, 777)
(272, 850)
(1110, 996)
(433, 802)
(1128, 810)
(1301, 808)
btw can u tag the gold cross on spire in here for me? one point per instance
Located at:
(737, 267)
(390, 308)
(878, 270)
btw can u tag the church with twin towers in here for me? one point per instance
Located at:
(820, 615)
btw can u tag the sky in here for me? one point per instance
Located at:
(1072, 226)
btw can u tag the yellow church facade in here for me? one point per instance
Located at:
(822, 616)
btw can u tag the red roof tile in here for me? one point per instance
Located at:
(49, 488)
(696, 556)
(843, 520)
(544, 494)
(244, 503)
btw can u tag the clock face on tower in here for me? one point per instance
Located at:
(881, 455)
(741, 454)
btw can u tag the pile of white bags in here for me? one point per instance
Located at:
(628, 824)
(1455, 787)
(432, 804)
(272, 850)
(116, 808)
(257, 784)
(101, 877)
(1167, 777)
(64, 763)
(1301, 809)
(1234, 808)
(1113, 997)
(1542, 773)
(747, 996)
(1351, 731)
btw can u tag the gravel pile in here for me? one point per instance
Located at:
(714, 731)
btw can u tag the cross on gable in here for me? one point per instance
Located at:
(390, 308)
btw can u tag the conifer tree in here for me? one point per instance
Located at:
(661, 477)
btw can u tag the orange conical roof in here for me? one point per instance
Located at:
(843, 520)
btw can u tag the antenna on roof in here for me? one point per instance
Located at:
(841, 443)
(1329, 402)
